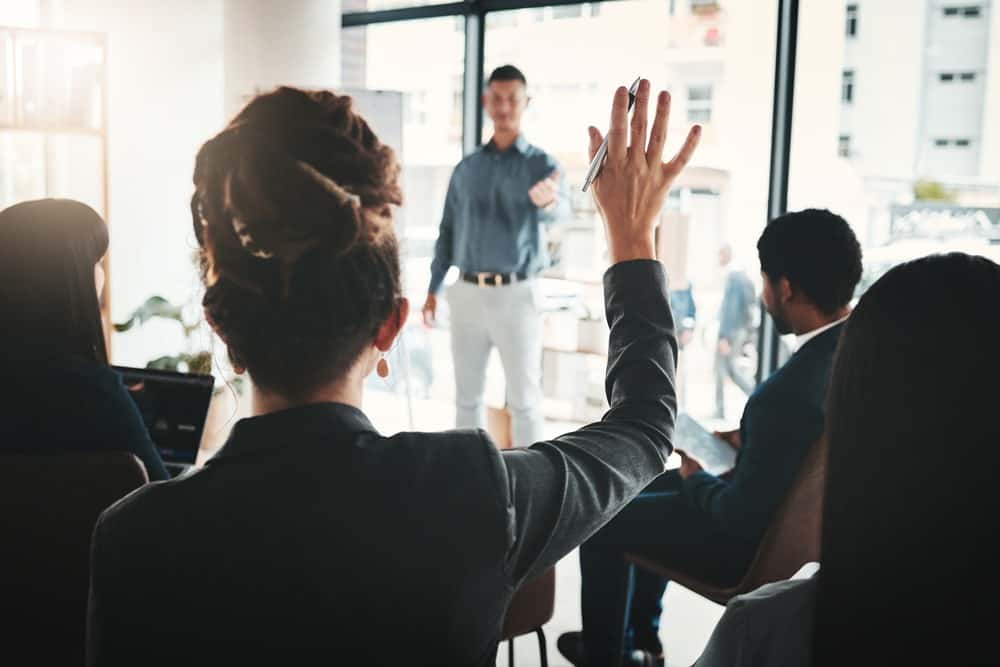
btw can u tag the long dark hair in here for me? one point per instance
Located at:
(48, 298)
(293, 212)
(910, 549)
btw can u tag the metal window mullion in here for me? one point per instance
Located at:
(781, 135)
(472, 109)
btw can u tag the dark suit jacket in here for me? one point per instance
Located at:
(782, 418)
(72, 405)
(312, 539)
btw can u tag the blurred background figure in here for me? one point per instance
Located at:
(685, 312)
(735, 320)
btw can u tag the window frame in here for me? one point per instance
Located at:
(475, 12)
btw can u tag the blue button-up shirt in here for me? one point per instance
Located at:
(489, 222)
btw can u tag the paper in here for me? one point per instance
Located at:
(715, 456)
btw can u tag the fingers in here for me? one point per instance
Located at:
(658, 135)
(639, 115)
(595, 141)
(680, 160)
(617, 136)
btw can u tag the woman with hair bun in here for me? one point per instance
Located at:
(310, 536)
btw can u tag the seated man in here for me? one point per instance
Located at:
(711, 526)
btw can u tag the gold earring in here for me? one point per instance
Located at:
(382, 368)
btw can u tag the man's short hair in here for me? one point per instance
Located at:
(817, 252)
(507, 73)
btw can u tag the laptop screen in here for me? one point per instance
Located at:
(174, 406)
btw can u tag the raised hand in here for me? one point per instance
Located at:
(633, 183)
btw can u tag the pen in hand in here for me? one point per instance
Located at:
(595, 164)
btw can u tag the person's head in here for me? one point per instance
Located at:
(51, 279)
(725, 254)
(506, 98)
(293, 213)
(810, 262)
(909, 548)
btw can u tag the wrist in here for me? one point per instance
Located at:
(623, 250)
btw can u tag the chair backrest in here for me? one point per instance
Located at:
(49, 505)
(532, 605)
(793, 538)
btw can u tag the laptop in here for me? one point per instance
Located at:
(174, 406)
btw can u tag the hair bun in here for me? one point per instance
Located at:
(281, 207)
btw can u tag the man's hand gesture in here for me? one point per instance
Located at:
(543, 193)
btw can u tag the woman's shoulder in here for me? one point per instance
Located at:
(768, 626)
(781, 596)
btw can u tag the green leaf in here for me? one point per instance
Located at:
(155, 306)
(165, 363)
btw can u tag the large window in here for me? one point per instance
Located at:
(708, 54)
(407, 79)
(927, 174)
(705, 54)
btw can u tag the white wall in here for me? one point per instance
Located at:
(279, 42)
(165, 98)
(177, 71)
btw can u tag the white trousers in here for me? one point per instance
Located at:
(508, 318)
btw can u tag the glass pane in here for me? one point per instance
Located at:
(418, 66)
(711, 50)
(20, 13)
(913, 162)
(75, 169)
(378, 5)
(22, 166)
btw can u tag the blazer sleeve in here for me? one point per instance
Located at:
(560, 492)
(778, 429)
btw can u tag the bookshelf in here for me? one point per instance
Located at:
(53, 120)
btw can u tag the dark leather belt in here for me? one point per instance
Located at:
(489, 279)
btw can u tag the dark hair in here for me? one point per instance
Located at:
(48, 298)
(909, 547)
(507, 73)
(817, 252)
(292, 211)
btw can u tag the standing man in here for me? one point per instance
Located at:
(499, 199)
(735, 315)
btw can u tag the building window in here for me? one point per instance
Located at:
(844, 145)
(852, 20)
(967, 76)
(700, 104)
(946, 77)
(962, 143)
(969, 11)
(567, 11)
(941, 143)
(847, 87)
(704, 6)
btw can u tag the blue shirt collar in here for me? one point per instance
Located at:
(521, 144)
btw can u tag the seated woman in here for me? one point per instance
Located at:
(311, 538)
(909, 550)
(61, 394)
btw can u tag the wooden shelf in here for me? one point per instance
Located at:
(52, 129)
